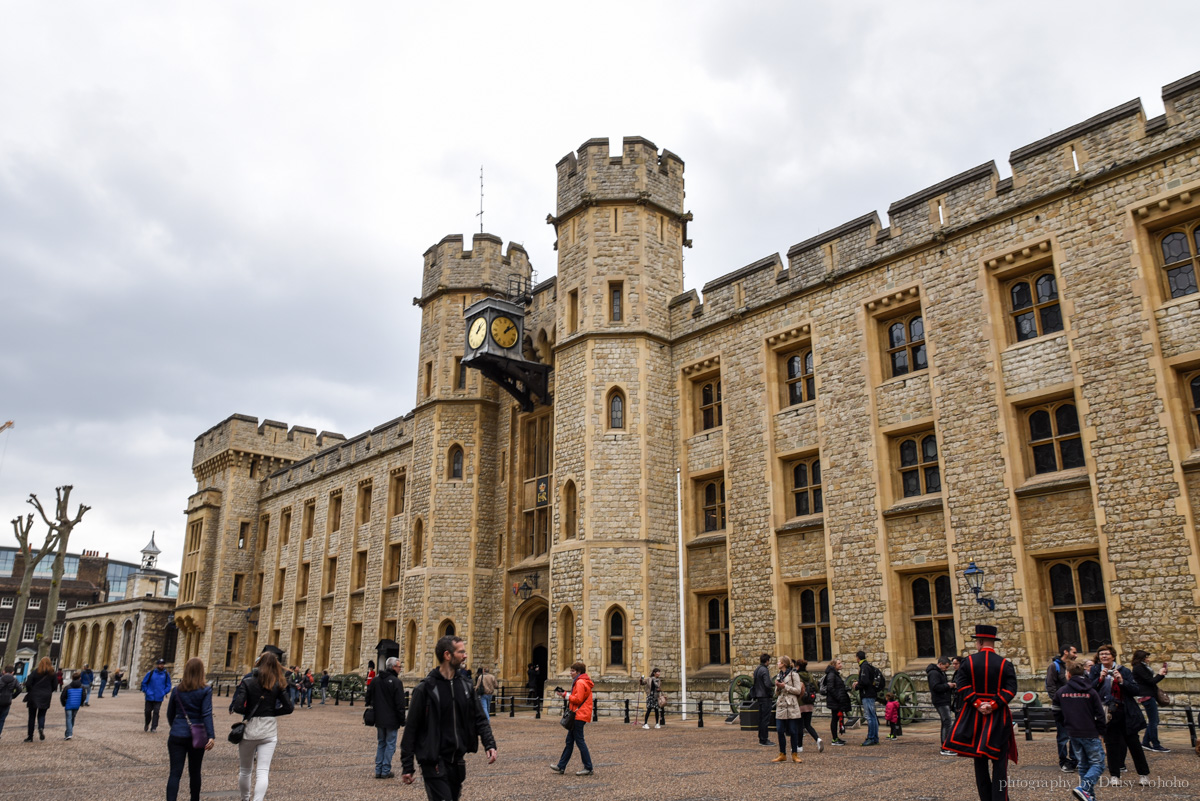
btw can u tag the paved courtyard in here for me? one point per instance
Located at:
(327, 753)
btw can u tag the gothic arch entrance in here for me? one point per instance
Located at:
(532, 626)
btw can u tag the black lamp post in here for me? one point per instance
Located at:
(525, 590)
(975, 581)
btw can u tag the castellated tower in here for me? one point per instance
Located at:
(621, 229)
(451, 581)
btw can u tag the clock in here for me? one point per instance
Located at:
(478, 332)
(504, 332)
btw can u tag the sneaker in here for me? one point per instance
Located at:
(891, 737)
(68, 737)
(1082, 794)
(870, 742)
(944, 752)
(645, 725)
(146, 728)
(799, 750)
(1066, 768)
(820, 746)
(839, 742)
(781, 758)
(388, 775)
(760, 742)
(584, 772)
(554, 767)
(1158, 749)
(658, 725)
(1144, 781)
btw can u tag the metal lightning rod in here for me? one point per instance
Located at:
(480, 214)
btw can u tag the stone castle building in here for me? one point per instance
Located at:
(1004, 378)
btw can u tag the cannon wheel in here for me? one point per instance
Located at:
(855, 715)
(902, 687)
(739, 690)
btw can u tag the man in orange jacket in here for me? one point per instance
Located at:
(579, 701)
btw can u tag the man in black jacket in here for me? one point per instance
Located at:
(868, 685)
(762, 693)
(445, 722)
(386, 697)
(941, 693)
(1056, 678)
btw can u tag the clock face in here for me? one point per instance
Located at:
(504, 332)
(478, 332)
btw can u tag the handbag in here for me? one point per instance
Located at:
(568, 719)
(199, 733)
(1160, 696)
(369, 716)
(237, 731)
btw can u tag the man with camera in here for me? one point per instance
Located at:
(1118, 692)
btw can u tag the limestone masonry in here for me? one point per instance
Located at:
(1006, 374)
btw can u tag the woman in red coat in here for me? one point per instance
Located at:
(986, 683)
(579, 701)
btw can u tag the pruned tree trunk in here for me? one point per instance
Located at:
(62, 526)
(30, 559)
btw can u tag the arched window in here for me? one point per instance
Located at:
(918, 460)
(1054, 438)
(616, 410)
(570, 514)
(932, 615)
(714, 505)
(1077, 603)
(801, 384)
(410, 646)
(454, 463)
(418, 543)
(710, 405)
(616, 638)
(1178, 248)
(807, 498)
(566, 638)
(906, 345)
(1033, 305)
(446, 629)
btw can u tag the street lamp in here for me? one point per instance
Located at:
(525, 590)
(975, 581)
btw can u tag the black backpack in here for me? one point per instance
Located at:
(878, 680)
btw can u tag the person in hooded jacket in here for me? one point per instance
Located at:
(156, 685)
(386, 697)
(9, 687)
(1119, 692)
(39, 689)
(260, 698)
(837, 699)
(72, 698)
(941, 693)
(444, 723)
(579, 701)
(190, 704)
(1084, 719)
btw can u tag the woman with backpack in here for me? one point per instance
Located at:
(39, 689)
(71, 698)
(260, 698)
(837, 699)
(807, 702)
(190, 706)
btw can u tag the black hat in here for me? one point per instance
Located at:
(273, 649)
(986, 633)
(161, 662)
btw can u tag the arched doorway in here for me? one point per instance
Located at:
(532, 625)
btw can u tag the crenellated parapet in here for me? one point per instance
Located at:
(638, 174)
(240, 440)
(340, 454)
(1064, 163)
(486, 266)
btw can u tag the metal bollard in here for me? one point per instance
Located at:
(512, 706)
(1191, 719)
(700, 714)
(537, 714)
(1025, 720)
(626, 710)
(337, 697)
(595, 709)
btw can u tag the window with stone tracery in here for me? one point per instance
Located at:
(1033, 305)
(1191, 388)
(917, 468)
(904, 344)
(1055, 442)
(1178, 251)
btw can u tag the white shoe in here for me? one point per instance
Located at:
(658, 725)
(820, 746)
(1144, 781)
(645, 725)
(800, 750)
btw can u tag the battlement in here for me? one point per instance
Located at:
(640, 174)
(1067, 162)
(271, 438)
(448, 265)
(342, 454)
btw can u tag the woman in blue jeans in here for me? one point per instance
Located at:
(191, 703)
(579, 701)
(1148, 680)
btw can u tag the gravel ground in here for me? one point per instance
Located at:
(326, 753)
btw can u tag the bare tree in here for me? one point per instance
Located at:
(61, 526)
(31, 560)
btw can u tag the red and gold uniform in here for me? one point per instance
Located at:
(988, 680)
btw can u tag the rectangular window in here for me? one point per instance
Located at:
(335, 512)
(360, 570)
(1032, 301)
(238, 581)
(615, 292)
(7, 602)
(536, 443)
(1191, 396)
(364, 503)
(195, 529)
(35, 603)
(280, 579)
(916, 458)
(394, 566)
(3, 630)
(1053, 436)
(231, 642)
(8, 558)
(903, 340)
(396, 495)
(243, 534)
(714, 611)
(309, 515)
(810, 610)
(264, 525)
(258, 587)
(573, 311)
(1077, 605)
(804, 482)
(353, 648)
(330, 575)
(710, 496)
(460, 374)
(302, 582)
(428, 379)
(1178, 250)
(285, 526)
(58, 632)
(62, 606)
(931, 615)
(81, 604)
(798, 378)
(28, 632)
(707, 392)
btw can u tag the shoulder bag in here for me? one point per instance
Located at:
(568, 719)
(199, 733)
(1160, 696)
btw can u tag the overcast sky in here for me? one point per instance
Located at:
(221, 207)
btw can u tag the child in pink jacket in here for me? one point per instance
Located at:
(891, 713)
